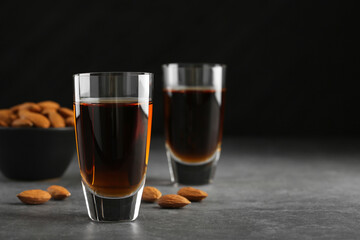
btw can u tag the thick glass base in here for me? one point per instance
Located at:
(105, 209)
(192, 173)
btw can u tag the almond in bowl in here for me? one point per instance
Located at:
(44, 114)
(37, 140)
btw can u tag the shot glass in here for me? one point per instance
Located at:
(194, 100)
(113, 114)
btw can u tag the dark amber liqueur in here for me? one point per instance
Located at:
(113, 141)
(194, 122)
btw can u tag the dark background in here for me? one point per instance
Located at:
(291, 64)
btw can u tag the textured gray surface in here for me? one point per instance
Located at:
(263, 189)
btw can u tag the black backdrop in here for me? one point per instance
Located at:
(291, 64)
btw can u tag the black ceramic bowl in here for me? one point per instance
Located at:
(36, 153)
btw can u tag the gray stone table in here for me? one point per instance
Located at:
(264, 189)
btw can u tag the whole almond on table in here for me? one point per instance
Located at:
(192, 194)
(49, 104)
(22, 122)
(58, 192)
(172, 201)
(66, 112)
(37, 119)
(151, 194)
(35, 196)
(69, 121)
(56, 120)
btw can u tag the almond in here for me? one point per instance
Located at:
(15, 108)
(5, 115)
(58, 192)
(35, 196)
(192, 194)
(69, 121)
(46, 111)
(13, 117)
(151, 194)
(66, 112)
(22, 122)
(3, 124)
(172, 201)
(37, 119)
(49, 104)
(33, 107)
(56, 120)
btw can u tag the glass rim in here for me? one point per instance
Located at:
(194, 64)
(112, 72)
